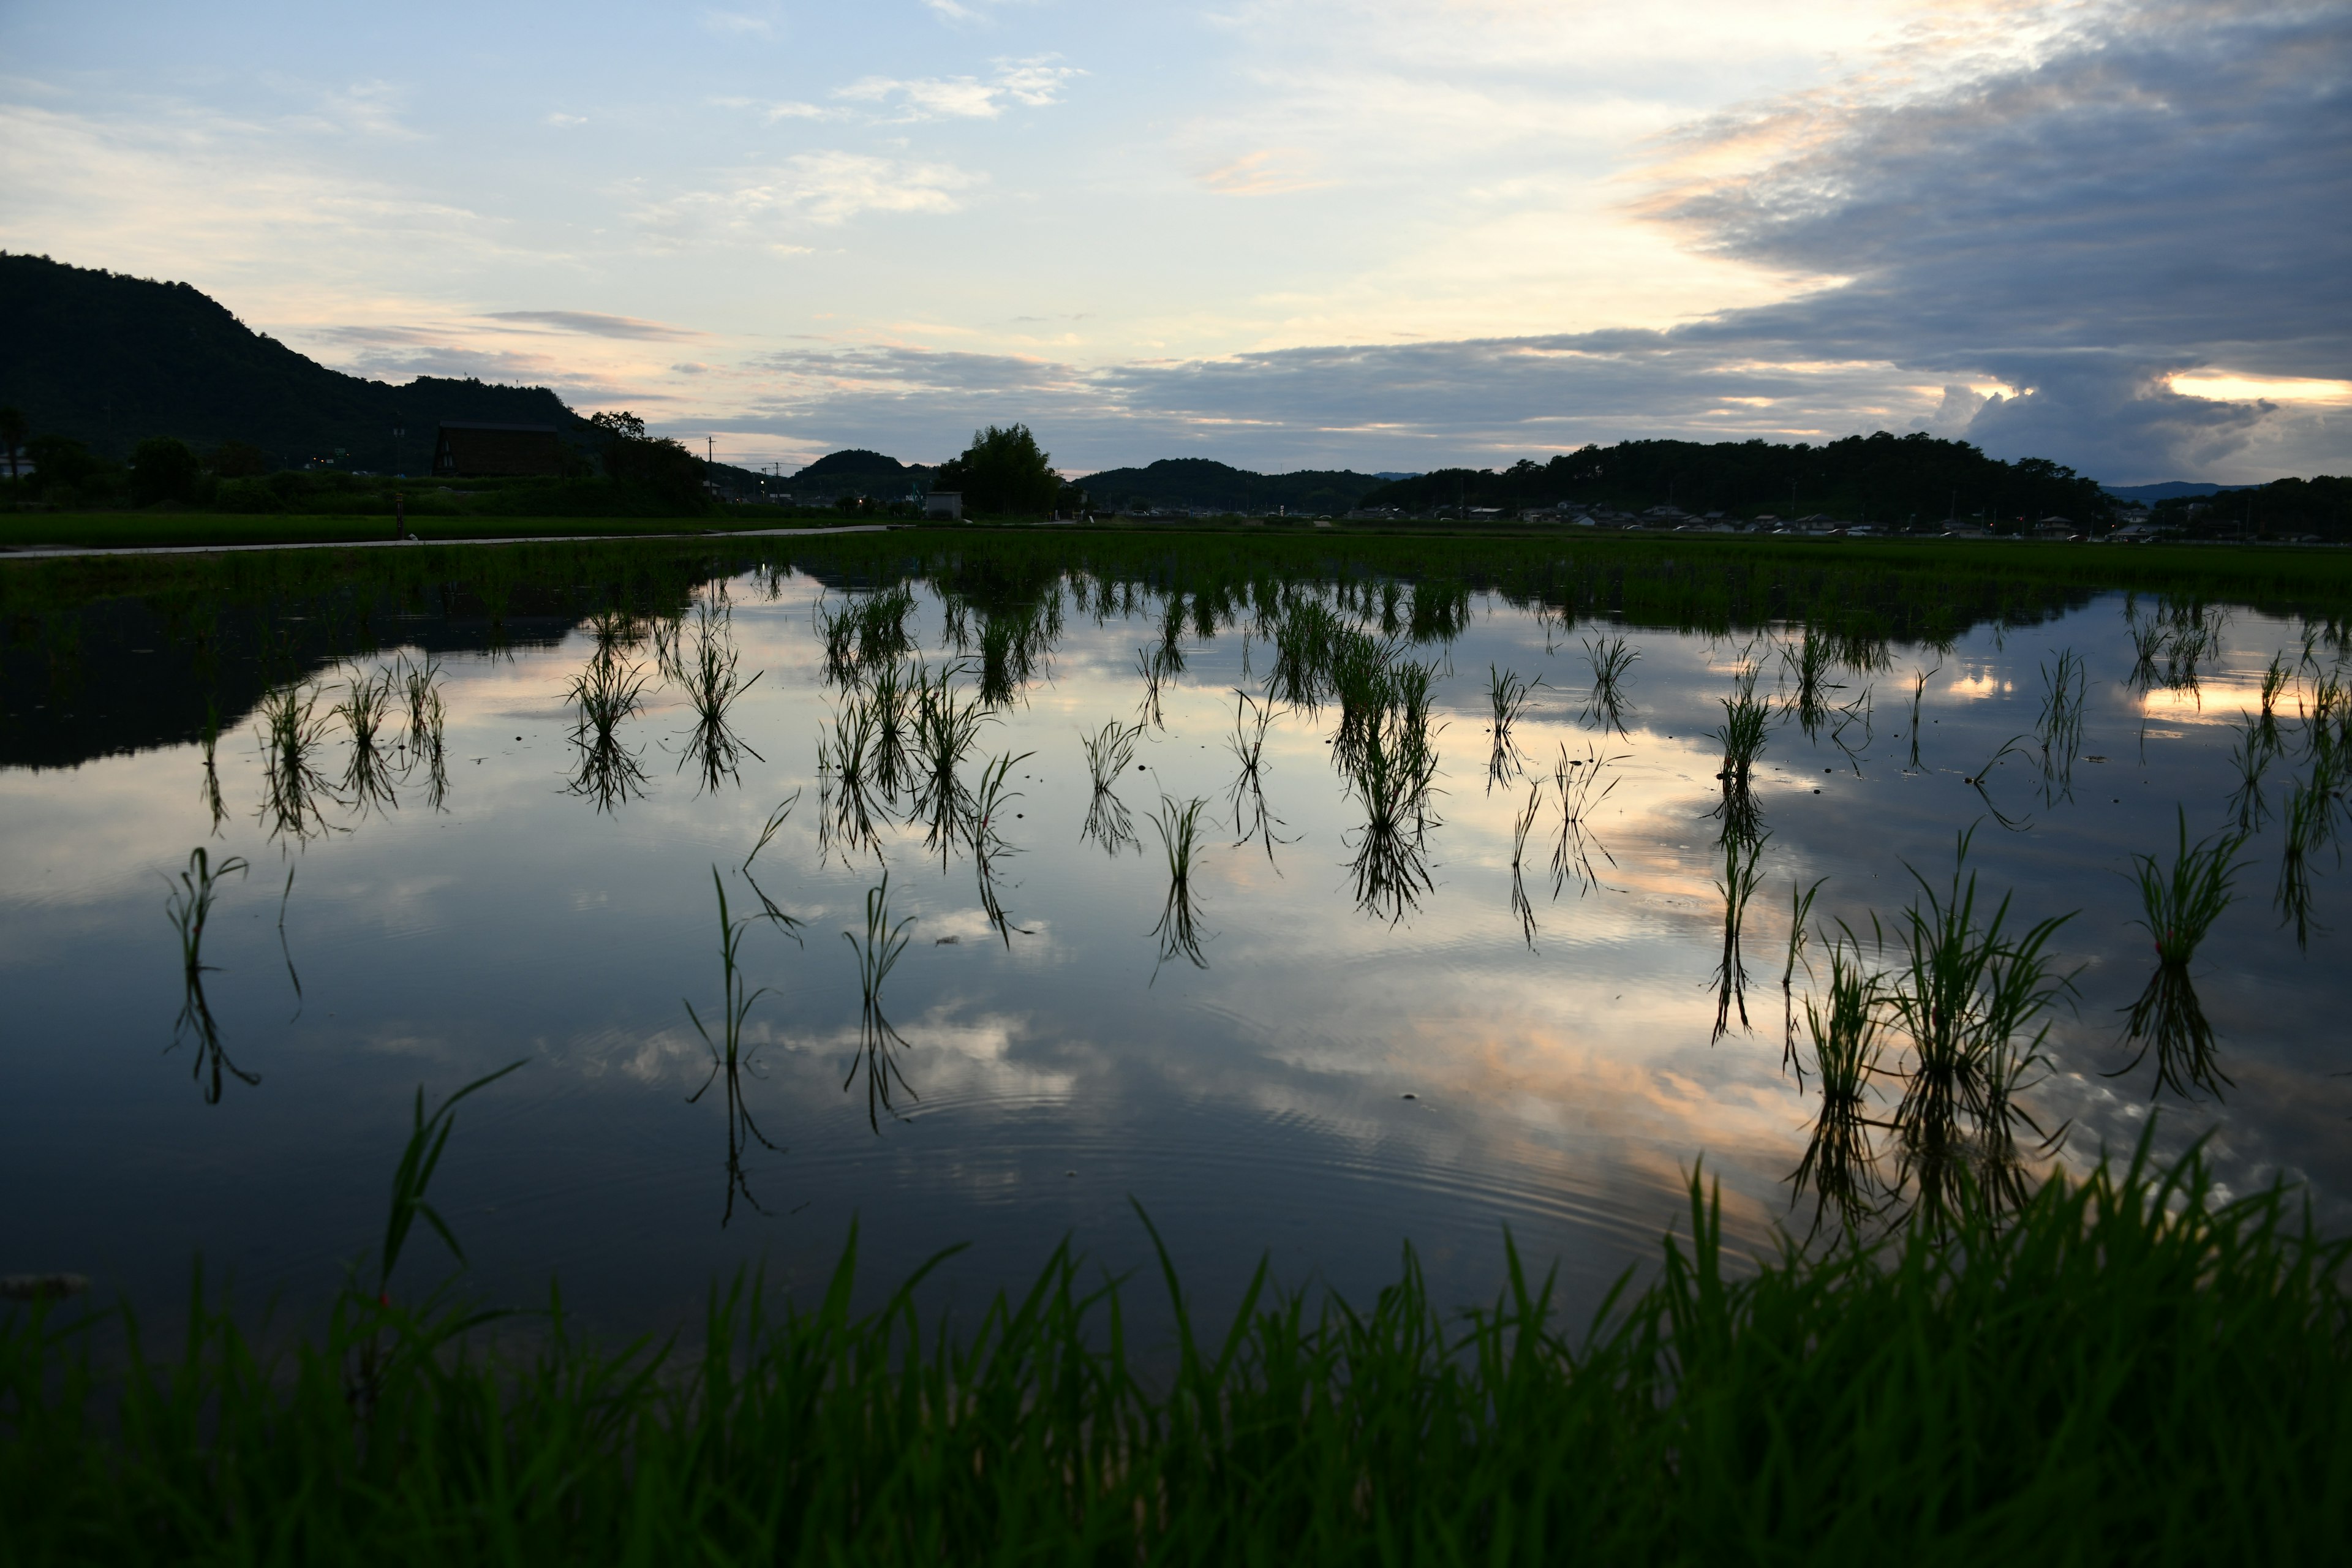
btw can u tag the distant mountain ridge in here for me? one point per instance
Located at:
(1199, 484)
(2170, 489)
(111, 360)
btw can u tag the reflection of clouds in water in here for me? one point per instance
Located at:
(1976, 688)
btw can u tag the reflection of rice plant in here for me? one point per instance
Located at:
(1742, 871)
(604, 693)
(1109, 754)
(1252, 819)
(713, 688)
(2060, 725)
(1840, 1164)
(191, 908)
(878, 1041)
(1178, 825)
(1611, 662)
(768, 829)
(213, 803)
(2008, 748)
(727, 1056)
(891, 698)
(865, 633)
(946, 728)
(1521, 826)
(1966, 993)
(2276, 677)
(2310, 826)
(1801, 913)
(367, 779)
(1578, 780)
(2249, 807)
(991, 807)
(844, 781)
(293, 786)
(1810, 661)
(2179, 907)
(1392, 772)
(1507, 695)
(1149, 664)
(1919, 679)
(1741, 736)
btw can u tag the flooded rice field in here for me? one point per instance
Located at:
(1315, 913)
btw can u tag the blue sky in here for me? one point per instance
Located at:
(1287, 233)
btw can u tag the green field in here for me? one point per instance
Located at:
(137, 530)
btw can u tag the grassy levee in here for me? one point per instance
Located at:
(2134, 1368)
(152, 529)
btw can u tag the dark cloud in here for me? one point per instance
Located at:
(592, 324)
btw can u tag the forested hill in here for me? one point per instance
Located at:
(111, 360)
(1199, 484)
(1861, 479)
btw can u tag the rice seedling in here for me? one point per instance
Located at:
(1253, 820)
(1522, 908)
(604, 694)
(1178, 929)
(1919, 679)
(367, 1365)
(1507, 696)
(729, 1057)
(1969, 998)
(1742, 871)
(1840, 1160)
(1577, 781)
(2148, 640)
(1801, 914)
(367, 779)
(878, 1043)
(669, 648)
(293, 787)
(769, 829)
(1110, 752)
(1014, 645)
(2016, 1388)
(2060, 725)
(711, 689)
(2276, 676)
(617, 633)
(2179, 907)
(1852, 732)
(1613, 662)
(190, 908)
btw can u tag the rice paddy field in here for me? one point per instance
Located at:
(1426, 926)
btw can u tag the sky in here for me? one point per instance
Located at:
(1385, 235)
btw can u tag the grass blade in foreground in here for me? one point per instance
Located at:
(2133, 1368)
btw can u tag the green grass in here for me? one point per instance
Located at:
(2134, 1369)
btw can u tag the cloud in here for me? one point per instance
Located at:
(1272, 171)
(738, 24)
(2156, 190)
(1034, 83)
(823, 189)
(594, 323)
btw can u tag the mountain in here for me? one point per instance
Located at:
(2170, 489)
(111, 360)
(1861, 479)
(857, 471)
(1197, 484)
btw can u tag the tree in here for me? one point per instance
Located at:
(237, 460)
(1002, 471)
(61, 462)
(12, 435)
(163, 468)
(648, 462)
